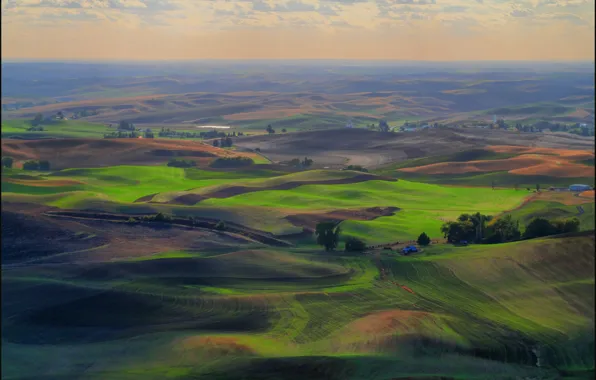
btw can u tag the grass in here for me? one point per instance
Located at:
(554, 210)
(17, 128)
(475, 312)
(423, 206)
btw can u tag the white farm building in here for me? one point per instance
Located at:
(579, 187)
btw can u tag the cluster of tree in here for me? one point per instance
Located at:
(7, 162)
(539, 227)
(223, 142)
(484, 229)
(37, 120)
(232, 162)
(357, 168)
(43, 165)
(159, 217)
(327, 234)
(307, 162)
(126, 126)
(271, 131)
(476, 228)
(35, 128)
(541, 126)
(213, 134)
(122, 135)
(84, 113)
(176, 163)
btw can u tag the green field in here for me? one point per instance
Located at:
(17, 128)
(475, 312)
(423, 207)
(135, 301)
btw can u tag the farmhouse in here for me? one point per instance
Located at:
(579, 187)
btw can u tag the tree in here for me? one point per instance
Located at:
(126, 126)
(458, 231)
(295, 162)
(503, 230)
(383, 126)
(7, 162)
(270, 129)
(229, 142)
(37, 119)
(31, 165)
(539, 227)
(423, 239)
(492, 184)
(216, 143)
(479, 221)
(538, 187)
(44, 165)
(327, 234)
(307, 162)
(566, 226)
(354, 244)
(284, 130)
(220, 226)
(516, 186)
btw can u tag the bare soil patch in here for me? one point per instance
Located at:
(339, 147)
(525, 164)
(390, 321)
(65, 153)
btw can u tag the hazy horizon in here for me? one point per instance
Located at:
(410, 30)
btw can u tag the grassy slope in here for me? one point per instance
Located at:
(69, 128)
(555, 210)
(500, 300)
(423, 206)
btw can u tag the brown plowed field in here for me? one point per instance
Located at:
(531, 161)
(390, 321)
(81, 153)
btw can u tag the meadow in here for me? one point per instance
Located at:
(473, 312)
(421, 207)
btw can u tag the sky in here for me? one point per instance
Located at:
(433, 30)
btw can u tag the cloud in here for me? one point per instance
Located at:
(455, 9)
(569, 17)
(521, 13)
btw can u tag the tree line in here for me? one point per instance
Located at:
(296, 162)
(484, 229)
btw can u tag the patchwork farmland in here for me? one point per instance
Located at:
(280, 255)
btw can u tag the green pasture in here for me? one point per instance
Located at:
(555, 210)
(272, 314)
(422, 207)
(17, 128)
